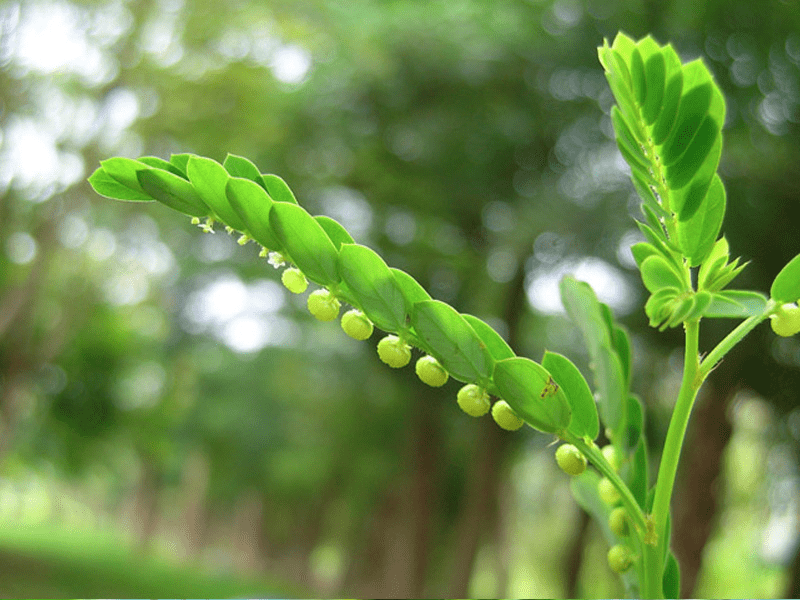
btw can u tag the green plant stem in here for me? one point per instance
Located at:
(690, 384)
(733, 338)
(595, 456)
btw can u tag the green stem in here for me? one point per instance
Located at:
(733, 338)
(690, 384)
(592, 452)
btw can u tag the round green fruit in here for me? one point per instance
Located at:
(294, 280)
(505, 417)
(786, 322)
(394, 352)
(618, 522)
(356, 324)
(430, 371)
(620, 558)
(607, 492)
(323, 305)
(570, 459)
(612, 456)
(473, 400)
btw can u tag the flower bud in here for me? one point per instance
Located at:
(570, 459)
(608, 492)
(356, 324)
(430, 371)
(323, 305)
(505, 417)
(394, 352)
(473, 400)
(294, 280)
(618, 522)
(786, 322)
(620, 558)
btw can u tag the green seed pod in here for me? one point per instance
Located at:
(620, 558)
(505, 417)
(612, 456)
(570, 459)
(294, 280)
(618, 522)
(786, 322)
(430, 371)
(608, 493)
(323, 305)
(394, 352)
(356, 324)
(473, 400)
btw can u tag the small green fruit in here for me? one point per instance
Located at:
(294, 280)
(620, 558)
(612, 456)
(356, 324)
(394, 352)
(430, 371)
(473, 400)
(505, 417)
(608, 493)
(570, 459)
(786, 322)
(618, 522)
(323, 305)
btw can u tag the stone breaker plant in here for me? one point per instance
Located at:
(668, 121)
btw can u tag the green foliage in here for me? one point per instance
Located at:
(668, 119)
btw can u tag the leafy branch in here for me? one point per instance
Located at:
(668, 122)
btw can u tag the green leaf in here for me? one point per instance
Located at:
(453, 342)
(638, 76)
(308, 245)
(107, 186)
(529, 389)
(160, 163)
(335, 231)
(209, 178)
(687, 166)
(180, 161)
(701, 302)
(497, 346)
(584, 421)
(412, 291)
(638, 478)
(239, 166)
(689, 199)
(786, 287)
(655, 74)
(672, 99)
(622, 344)
(585, 311)
(278, 190)
(627, 143)
(641, 251)
(172, 191)
(736, 304)
(584, 490)
(659, 305)
(697, 235)
(658, 273)
(672, 577)
(252, 204)
(124, 171)
(374, 287)
(693, 109)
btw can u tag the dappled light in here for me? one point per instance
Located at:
(175, 421)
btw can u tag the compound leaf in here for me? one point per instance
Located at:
(452, 341)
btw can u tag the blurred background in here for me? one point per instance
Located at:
(172, 419)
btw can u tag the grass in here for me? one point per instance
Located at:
(48, 561)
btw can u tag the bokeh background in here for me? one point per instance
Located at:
(173, 421)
